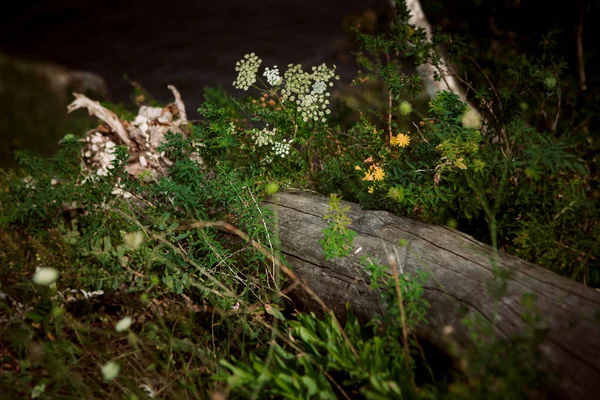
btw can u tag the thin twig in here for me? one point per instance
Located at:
(418, 130)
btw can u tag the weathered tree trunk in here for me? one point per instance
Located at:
(459, 273)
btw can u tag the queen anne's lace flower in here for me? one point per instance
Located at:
(264, 137)
(282, 148)
(307, 90)
(272, 75)
(319, 87)
(247, 69)
(297, 83)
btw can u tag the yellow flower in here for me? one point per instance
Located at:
(401, 140)
(368, 176)
(356, 167)
(378, 173)
(371, 189)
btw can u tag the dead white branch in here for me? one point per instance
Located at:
(448, 81)
(428, 71)
(180, 106)
(107, 116)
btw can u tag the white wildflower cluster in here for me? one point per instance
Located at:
(247, 69)
(272, 75)
(297, 83)
(282, 148)
(309, 90)
(319, 87)
(231, 129)
(264, 137)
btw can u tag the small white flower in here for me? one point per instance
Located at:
(110, 370)
(319, 87)
(38, 390)
(133, 240)
(247, 69)
(272, 75)
(471, 119)
(264, 137)
(123, 324)
(45, 276)
(282, 148)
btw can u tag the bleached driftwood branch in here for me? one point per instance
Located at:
(427, 71)
(94, 108)
(143, 136)
(180, 106)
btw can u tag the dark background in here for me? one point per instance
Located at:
(188, 43)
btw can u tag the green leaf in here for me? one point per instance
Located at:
(310, 384)
(274, 312)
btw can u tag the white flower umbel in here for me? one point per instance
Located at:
(282, 148)
(123, 324)
(309, 90)
(247, 69)
(264, 137)
(297, 83)
(110, 370)
(272, 75)
(45, 276)
(319, 87)
(133, 240)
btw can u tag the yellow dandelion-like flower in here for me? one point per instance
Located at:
(371, 189)
(378, 173)
(356, 167)
(401, 140)
(368, 176)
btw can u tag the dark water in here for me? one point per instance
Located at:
(190, 44)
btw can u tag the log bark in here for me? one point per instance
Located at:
(459, 271)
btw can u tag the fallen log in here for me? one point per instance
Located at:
(460, 271)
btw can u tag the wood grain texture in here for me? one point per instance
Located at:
(459, 271)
